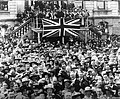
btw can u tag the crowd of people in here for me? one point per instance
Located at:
(59, 71)
(52, 11)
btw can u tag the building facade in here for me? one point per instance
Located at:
(99, 10)
(106, 10)
(9, 10)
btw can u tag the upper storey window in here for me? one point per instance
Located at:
(3, 5)
(101, 5)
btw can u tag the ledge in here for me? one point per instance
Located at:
(102, 10)
(1, 11)
(3, 20)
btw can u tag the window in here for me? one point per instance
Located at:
(119, 6)
(3, 5)
(102, 5)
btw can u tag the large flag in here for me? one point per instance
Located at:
(62, 27)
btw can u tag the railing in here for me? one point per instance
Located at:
(22, 29)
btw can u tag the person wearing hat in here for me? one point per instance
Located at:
(47, 76)
(77, 95)
(34, 66)
(67, 95)
(99, 93)
(27, 66)
(67, 83)
(11, 95)
(25, 88)
(88, 93)
(17, 61)
(4, 89)
(108, 92)
(50, 91)
(60, 82)
(42, 95)
(36, 91)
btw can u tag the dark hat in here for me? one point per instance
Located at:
(117, 71)
(59, 55)
(43, 93)
(67, 80)
(36, 77)
(36, 86)
(46, 73)
(4, 63)
(77, 94)
(33, 62)
(109, 89)
(20, 65)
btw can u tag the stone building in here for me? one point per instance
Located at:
(106, 10)
(9, 10)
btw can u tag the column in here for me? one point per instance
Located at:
(39, 38)
(60, 5)
(86, 36)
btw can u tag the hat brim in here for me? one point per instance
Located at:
(35, 77)
(74, 96)
(34, 63)
(67, 81)
(46, 73)
(88, 90)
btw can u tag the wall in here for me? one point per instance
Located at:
(111, 15)
(20, 5)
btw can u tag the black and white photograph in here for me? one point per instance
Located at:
(59, 49)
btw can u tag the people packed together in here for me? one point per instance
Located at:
(52, 10)
(59, 71)
(47, 70)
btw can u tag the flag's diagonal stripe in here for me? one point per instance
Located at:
(53, 31)
(59, 32)
(70, 32)
(44, 21)
(50, 21)
(73, 25)
(64, 33)
(70, 21)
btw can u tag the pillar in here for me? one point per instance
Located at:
(39, 38)
(60, 5)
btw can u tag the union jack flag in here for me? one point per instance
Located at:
(62, 27)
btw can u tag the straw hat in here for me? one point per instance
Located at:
(50, 86)
(87, 89)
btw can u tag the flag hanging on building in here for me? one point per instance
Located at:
(62, 27)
